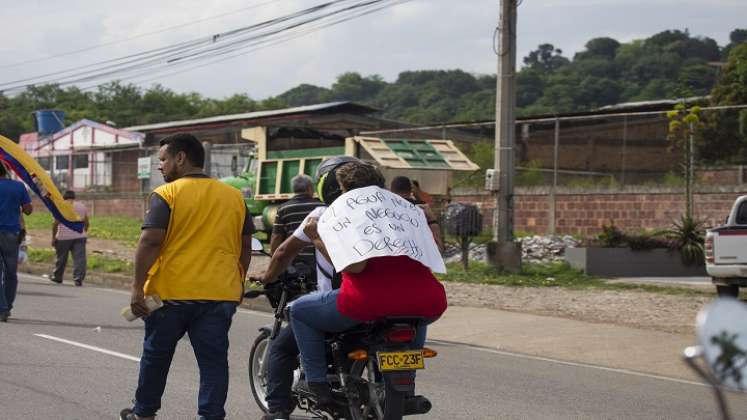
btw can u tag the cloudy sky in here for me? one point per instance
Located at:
(420, 34)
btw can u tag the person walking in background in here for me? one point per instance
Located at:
(194, 251)
(13, 199)
(66, 241)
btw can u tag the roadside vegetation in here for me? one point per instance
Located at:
(551, 275)
(124, 229)
(94, 262)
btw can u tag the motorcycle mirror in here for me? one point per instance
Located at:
(722, 335)
(256, 245)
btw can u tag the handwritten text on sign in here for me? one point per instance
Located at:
(373, 222)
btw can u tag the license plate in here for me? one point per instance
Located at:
(400, 360)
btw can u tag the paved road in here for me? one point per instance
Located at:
(45, 373)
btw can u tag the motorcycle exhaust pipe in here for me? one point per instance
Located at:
(416, 405)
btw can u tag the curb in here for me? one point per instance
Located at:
(122, 282)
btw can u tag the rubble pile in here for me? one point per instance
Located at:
(545, 249)
(534, 249)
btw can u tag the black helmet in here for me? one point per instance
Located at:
(327, 187)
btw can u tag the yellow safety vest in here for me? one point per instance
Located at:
(199, 258)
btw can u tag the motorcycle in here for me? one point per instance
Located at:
(720, 357)
(371, 367)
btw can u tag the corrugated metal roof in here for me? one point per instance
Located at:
(653, 103)
(342, 105)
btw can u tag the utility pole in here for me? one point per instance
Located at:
(504, 253)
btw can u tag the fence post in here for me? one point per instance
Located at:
(551, 206)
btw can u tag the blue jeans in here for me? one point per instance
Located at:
(282, 360)
(311, 317)
(207, 325)
(9, 277)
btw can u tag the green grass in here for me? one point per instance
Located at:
(94, 262)
(550, 275)
(124, 229)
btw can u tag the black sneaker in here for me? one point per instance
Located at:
(79, 283)
(4, 316)
(54, 280)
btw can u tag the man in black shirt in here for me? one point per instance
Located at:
(291, 214)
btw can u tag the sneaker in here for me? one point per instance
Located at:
(54, 280)
(78, 283)
(127, 414)
(275, 415)
(4, 316)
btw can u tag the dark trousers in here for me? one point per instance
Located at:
(282, 360)
(78, 248)
(207, 325)
(8, 268)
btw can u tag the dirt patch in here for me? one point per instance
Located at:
(633, 308)
(638, 309)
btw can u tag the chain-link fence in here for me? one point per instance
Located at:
(608, 149)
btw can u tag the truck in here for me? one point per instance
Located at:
(726, 251)
(265, 181)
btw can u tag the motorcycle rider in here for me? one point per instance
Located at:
(282, 354)
(365, 293)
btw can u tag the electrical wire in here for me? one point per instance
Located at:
(214, 46)
(143, 35)
(267, 44)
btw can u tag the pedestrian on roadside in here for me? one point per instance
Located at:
(13, 199)
(403, 187)
(67, 241)
(290, 215)
(194, 251)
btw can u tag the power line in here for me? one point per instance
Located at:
(265, 45)
(214, 46)
(143, 35)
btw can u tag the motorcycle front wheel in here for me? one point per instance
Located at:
(258, 369)
(381, 401)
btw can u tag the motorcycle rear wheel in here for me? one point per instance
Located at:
(258, 370)
(384, 402)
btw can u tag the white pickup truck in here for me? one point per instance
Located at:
(726, 251)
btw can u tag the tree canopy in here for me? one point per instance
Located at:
(669, 64)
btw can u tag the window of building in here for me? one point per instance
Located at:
(44, 162)
(80, 161)
(62, 162)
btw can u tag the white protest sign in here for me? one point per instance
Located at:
(373, 222)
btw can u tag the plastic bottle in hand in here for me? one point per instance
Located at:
(152, 302)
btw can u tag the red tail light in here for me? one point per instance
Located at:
(710, 258)
(400, 335)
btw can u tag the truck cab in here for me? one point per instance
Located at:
(726, 251)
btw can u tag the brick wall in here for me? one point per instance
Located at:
(125, 205)
(584, 214)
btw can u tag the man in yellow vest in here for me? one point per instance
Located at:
(193, 252)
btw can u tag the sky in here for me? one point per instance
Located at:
(415, 35)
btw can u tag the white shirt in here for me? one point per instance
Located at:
(323, 283)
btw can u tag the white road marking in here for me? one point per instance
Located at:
(473, 347)
(573, 364)
(86, 346)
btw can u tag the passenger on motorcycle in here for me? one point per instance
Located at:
(371, 289)
(282, 354)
